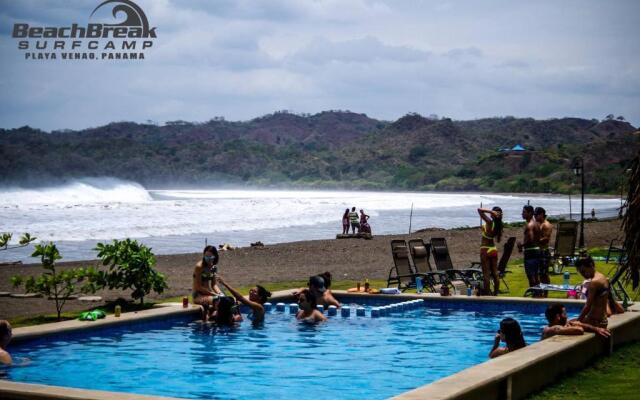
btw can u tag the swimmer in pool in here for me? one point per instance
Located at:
(257, 297)
(308, 311)
(5, 338)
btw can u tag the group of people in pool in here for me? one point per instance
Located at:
(593, 317)
(224, 310)
(217, 306)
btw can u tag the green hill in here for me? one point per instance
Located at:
(332, 149)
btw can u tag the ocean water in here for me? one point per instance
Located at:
(82, 213)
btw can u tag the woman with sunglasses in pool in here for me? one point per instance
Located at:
(205, 292)
(257, 297)
(511, 334)
(308, 308)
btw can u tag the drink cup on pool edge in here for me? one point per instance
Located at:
(185, 302)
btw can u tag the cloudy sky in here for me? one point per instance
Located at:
(241, 59)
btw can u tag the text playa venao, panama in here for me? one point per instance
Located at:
(126, 40)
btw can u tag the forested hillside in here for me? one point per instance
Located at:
(332, 149)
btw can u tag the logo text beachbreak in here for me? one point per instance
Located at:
(126, 40)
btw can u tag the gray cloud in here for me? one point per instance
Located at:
(244, 58)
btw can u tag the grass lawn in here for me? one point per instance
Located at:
(614, 377)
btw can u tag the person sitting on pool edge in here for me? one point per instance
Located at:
(205, 292)
(257, 297)
(511, 334)
(5, 338)
(308, 308)
(600, 303)
(559, 325)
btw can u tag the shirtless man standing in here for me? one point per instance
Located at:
(546, 229)
(531, 247)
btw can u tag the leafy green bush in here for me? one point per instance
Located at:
(58, 285)
(130, 267)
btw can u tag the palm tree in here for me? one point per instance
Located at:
(631, 223)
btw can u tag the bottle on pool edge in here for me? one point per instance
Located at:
(418, 284)
(565, 283)
(366, 285)
(468, 290)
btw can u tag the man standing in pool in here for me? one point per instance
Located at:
(531, 247)
(559, 324)
(546, 229)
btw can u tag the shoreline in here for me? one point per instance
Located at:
(346, 259)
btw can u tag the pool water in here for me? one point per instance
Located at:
(345, 358)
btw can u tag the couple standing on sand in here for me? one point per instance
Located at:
(356, 221)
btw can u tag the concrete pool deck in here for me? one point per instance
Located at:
(512, 376)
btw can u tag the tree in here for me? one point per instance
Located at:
(5, 238)
(130, 267)
(620, 118)
(58, 285)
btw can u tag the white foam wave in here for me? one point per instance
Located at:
(109, 209)
(80, 192)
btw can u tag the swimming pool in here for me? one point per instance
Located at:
(351, 357)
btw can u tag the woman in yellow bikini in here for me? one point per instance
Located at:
(491, 232)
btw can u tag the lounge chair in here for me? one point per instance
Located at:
(442, 259)
(420, 253)
(401, 273)
(615, 251)
(565, 246)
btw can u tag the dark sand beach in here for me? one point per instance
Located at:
(352, 259)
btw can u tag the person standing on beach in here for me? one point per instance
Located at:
(345, 222)
(491, 232)
(364, 224)
(546, 230)
(531, 247)
(354, 219)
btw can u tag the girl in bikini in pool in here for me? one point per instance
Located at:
(491, 232)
